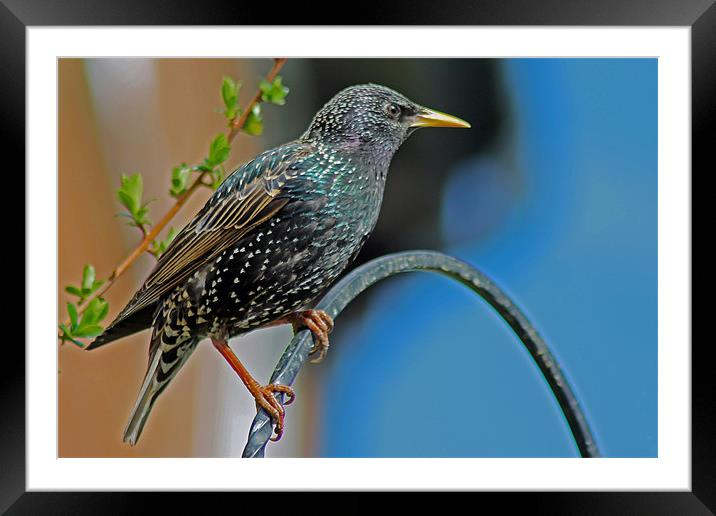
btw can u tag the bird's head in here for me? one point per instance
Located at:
(373, 119)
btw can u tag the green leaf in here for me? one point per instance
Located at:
(218, 151)
(130, 192)
(71, 289)
(88, 277)
(65, 331)
(68, 335)
(230, 95)
(254, 124)
(77, 342)
(228, 91)
(130, 195)
(126, 200)
(104, 310)
(180, 180)
(274, 92)
(72, 311)
(91, 330)
(140, 218)
(96, 310)
(89, 315)
(217, 177)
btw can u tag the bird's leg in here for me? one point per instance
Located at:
(264, 396)
(320, 324)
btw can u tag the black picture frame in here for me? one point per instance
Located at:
(700, 15)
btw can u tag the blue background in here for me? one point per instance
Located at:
(573, 240)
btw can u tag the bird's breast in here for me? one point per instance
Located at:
(286, 263)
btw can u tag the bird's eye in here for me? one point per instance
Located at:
(393, 111)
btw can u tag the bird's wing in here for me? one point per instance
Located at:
(242, 203)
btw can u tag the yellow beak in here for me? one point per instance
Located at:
(431, 118)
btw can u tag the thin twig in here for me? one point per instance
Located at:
(237, 124)
(376, 270)
(234, 128)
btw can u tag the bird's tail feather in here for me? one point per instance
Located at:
(143, 406)
(158, 376)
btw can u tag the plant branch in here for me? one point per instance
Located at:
(237, 123)
(235, 127)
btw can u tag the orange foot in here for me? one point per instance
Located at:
(320, 324)
(266, 399)
(264, 396)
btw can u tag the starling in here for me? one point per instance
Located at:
(272, 238)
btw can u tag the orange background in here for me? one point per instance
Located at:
(142, 115)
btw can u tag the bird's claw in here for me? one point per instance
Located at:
(320, 324)
(266, 399)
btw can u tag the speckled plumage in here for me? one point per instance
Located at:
(273, 237)
(285, 263)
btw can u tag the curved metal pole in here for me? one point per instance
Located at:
(370, 273)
